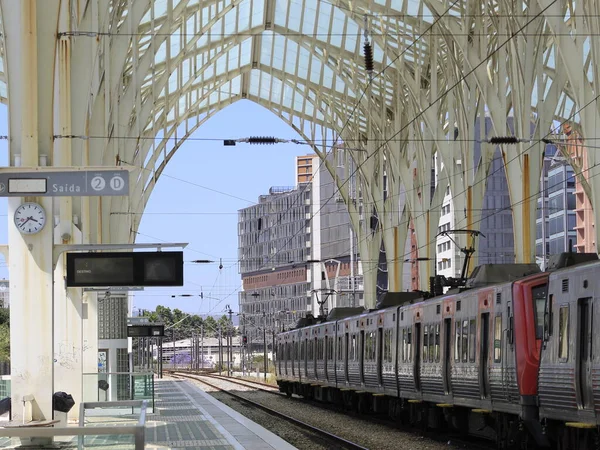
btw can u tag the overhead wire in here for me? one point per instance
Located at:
(441, 96)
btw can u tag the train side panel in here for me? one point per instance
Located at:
(569, 379)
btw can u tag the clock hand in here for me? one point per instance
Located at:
(23, 223)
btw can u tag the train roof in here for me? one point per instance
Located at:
(487, 274)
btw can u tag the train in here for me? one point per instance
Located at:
(511, 355)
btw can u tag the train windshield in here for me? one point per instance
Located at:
(538, 298)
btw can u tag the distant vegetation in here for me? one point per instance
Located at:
(4, 334)
(192, 324)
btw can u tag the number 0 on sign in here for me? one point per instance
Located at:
(98, 183)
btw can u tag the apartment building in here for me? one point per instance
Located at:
(297, 251)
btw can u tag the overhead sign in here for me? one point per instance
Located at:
(138, 320)
(152, 330)
(111, 289)
(78, 183)
(125, 269)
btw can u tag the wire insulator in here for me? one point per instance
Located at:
(368, 52)
(262, 140)
(504, 140)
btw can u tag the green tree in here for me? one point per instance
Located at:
(210, 326)
(4, 342)
(5, 316)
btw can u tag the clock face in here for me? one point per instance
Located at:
(30, 218)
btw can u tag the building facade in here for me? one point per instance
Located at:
(584, 214)
(556, 216)
(496, 244)
(297, 251)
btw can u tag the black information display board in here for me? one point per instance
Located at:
(125, 269)
(145, 330)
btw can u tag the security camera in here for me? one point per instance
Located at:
(65, 236)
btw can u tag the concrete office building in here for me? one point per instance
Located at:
(497, 247)
(556, 216)
(296, 250)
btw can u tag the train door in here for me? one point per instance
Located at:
(484, 340)
(346, 353)
(584, 353)
(361, 350)
(417, 362)
(379, 347)
(326, 357)
(447, 364)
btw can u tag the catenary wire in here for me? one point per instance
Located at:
(462, 78)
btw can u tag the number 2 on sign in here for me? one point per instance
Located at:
(98, 183)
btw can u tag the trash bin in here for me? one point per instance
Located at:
(103, 386)
(62, 402)
(5, 406)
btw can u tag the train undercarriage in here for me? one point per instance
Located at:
(508, 431)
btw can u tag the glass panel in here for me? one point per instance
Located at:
(563, 333)
(437, 343)
(472, 334)
(538, 295)
(404, 346)
(457, 341)
(431, 343)
(425, 342)
(465, 340)
(409, 346)
(498, 339)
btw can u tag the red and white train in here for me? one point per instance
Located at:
(514, 356)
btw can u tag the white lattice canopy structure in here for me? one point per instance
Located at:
(125, 82)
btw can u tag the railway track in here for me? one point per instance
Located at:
(462, 441)
(336, 441)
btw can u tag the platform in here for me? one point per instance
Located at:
(188, 418)
(185, 418)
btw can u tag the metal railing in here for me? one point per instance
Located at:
(137, 430)
(129, 386)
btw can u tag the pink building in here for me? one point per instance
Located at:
(584, 226)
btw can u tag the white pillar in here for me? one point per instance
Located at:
(29, 31)
(68, 335)
(31, 316)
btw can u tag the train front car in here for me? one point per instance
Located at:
(569, 378)
(529, 303)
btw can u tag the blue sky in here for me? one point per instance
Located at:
(182, 209)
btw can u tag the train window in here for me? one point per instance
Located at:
(340, 348)
(437, 343)
(310, 350)
(352, 356)
(370, 346)
(465, 340)
(330, 348)
(498, 339)
(320, 349)
(457, 341)
(387, 346)
(409, 344)
(301, 344)
(425, 342)
(538, 296)
(431, 343)
(472, 334)
(404, 345)
(563, 333)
